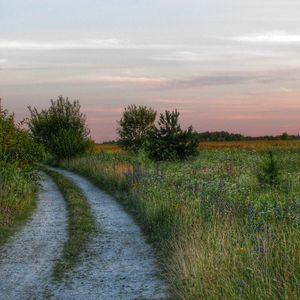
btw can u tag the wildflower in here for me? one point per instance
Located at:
(242, 250)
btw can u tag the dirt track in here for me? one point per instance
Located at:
(26, 261)
(118, 264)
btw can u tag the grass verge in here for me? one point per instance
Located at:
(17, 199)
(219, 234)
(14, 216)
(81, 225)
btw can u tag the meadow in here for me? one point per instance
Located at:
(218, 233)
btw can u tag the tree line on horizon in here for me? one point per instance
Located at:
(62, 130)
(225, 136)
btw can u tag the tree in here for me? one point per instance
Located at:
(285, 136)
(61, 128)
(134, 126)
(169, 141)
(270, 172)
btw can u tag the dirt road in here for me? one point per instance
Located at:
(118, 264)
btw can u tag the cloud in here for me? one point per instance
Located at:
(280, 37)
(180, 56)
(213, 79)
(131, 79)
(95, 79)
(3, 61)
(233, 78)
(79, 44)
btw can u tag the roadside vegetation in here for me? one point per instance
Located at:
(81, 225)
(61, 129)
(224, 216)
(19, 156)
(225, 223)
(221, 234)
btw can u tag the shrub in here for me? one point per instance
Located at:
(16, 145)
(18, 174)
(169, 141)
(61, 128)
(134, 127)
(270, 173)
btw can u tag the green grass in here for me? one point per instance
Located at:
(219, 233)
(81, 225)
(17, 199)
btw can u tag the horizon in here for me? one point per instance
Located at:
(225, 66)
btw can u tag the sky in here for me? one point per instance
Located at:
(229, 65)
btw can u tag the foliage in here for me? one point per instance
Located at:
(134, 126)
(169, 141)
(61, 128)
(16, 145)
(219, 136)
(270, 173)
(220, 236)
(222, 136)
(18, 177)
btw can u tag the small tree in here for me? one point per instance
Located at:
(134, 126)
(169, 141)
(61, 128)
(270, 173)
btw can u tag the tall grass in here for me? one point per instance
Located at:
(18, 178)
(17, 197)
(220, 234)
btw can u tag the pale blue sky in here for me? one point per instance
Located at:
(227, 65)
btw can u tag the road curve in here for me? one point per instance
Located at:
(27, 260)
(119, 264)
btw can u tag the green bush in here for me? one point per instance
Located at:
(61, 128)
(19, 155)
(134, 126)
(270, 172)
(16, 145)
(169, 141)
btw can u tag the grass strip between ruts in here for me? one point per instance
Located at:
(81, 225)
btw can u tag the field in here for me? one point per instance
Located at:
(219, 233)
(256, 145)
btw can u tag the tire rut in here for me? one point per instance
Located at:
(27, 260)
(119, 264)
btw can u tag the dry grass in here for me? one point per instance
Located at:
(257, 144)
(106, 148)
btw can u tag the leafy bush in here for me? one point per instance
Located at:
(169, 141)
(18, 176)
(61, 128)
(134, 126)
(16, 145)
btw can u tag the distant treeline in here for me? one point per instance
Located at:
(223, 136)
